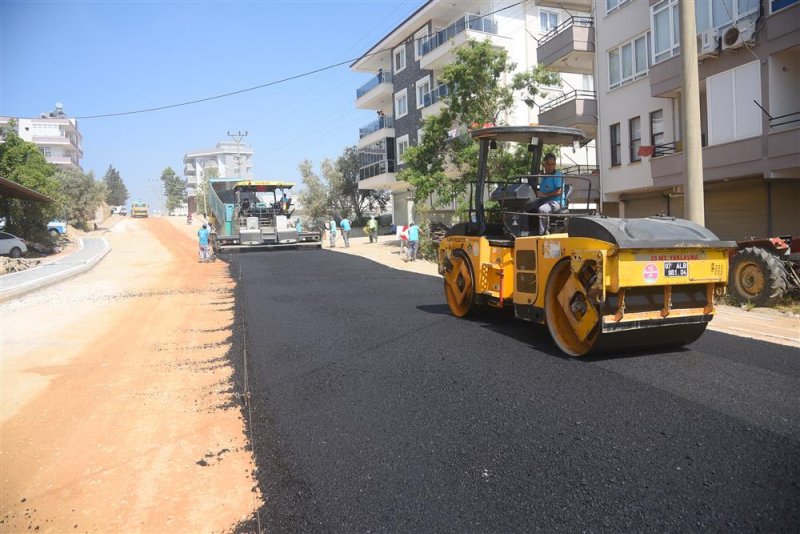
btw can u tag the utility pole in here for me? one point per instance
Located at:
(694, 206)
(237, 137)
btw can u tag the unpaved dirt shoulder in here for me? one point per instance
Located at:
(118, 410)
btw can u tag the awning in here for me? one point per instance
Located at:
(11, 189)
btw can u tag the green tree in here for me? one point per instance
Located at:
(22, 162)
(117, 192)
(315, 196)
(81, 195)
(441, 167)
(174, 189)
(202, 190)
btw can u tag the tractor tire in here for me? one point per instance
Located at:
(459, 286)
(758, 277)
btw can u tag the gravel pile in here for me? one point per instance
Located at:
(11, 265)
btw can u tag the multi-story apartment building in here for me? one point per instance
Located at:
(56, 135)
(226, 160)
(749, 70)
(404, 85)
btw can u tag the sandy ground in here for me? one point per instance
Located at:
(117, 410)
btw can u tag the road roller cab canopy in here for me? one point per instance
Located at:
(536, 137)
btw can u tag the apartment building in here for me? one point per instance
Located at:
(749, 70)
(56, 135)
(225, 160)
(404, 87)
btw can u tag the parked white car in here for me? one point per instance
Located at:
(12, 245)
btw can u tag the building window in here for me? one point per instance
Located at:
(635, 135)
(616, 146)
(731, 115)
(719, 14)
(628, 62)
(402, 145)
(613, 5)
(657, 127)
(419, 39)
(401, 104)
(780, 4)
(400, 58)
(45, 150)
(548, 20)
(423, 88)
(666, 30)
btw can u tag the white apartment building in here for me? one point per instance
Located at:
(404, 87)
(749, 68)
(226, 159)
(56, 135)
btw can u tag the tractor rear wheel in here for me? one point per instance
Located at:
(459, 286)
(757, 276)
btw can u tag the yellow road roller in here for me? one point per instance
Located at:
(599, 283)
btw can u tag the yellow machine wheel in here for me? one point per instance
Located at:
(459, 286)
(560, 327)
(644, 339)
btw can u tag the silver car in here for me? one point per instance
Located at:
(12, 245)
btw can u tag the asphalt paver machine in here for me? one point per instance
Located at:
(598, 283)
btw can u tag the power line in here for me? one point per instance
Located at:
(268, 84)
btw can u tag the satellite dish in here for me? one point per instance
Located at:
(59, 106)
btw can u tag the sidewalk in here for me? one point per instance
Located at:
(765, 324)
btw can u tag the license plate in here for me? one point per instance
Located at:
(676, 268)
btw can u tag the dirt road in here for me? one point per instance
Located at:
(118, 410)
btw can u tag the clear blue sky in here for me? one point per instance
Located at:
(98, 57)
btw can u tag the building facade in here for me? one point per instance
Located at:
(56, 136)
(749, 71)
(225, 160)
(404, 86)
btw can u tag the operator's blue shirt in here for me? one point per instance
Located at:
(413, 233)
(551, 183)
(202, 235)
(345, 225)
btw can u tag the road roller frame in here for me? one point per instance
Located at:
(604, 284)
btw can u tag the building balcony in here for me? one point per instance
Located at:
(584, 6)
(371, 94)
(737, 159)
(64, 161)
(373, 132)
(189, 169)
(379, 175)
(432, 100)
(569, 47)
(575, 109)
(437, 49)
(52, 140)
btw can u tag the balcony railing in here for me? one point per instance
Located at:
(383, 77)
(432, 97)
(374, 126)
(470, 21)
(586, 22)
(580, 169)
(667, 148)
(578, 94)
(375, 169)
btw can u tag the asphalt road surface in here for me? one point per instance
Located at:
(374, 409)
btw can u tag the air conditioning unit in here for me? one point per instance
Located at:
(708, 44)
(737, 35)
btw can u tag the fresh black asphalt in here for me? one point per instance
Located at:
(374, 409)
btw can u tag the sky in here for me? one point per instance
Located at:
(114, 56)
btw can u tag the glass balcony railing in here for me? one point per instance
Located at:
(585, 22)
(382, 77)
(470, 21)
(376, 169)
(432, 97)
(374, 126)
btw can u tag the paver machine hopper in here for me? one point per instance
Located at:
(598, 283)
